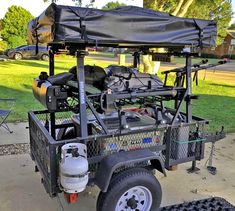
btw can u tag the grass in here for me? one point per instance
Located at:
(181, 60)
(175, 60)
(216, 102)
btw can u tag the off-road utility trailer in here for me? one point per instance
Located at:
(111, 127)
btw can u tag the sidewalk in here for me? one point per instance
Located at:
(20, 134)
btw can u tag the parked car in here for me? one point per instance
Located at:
(98, 49)
(7, 51)
(28, 51)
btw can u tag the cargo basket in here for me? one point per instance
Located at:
(184, 143)
(176, 144)
(45, 144)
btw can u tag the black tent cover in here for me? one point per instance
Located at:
(124, 26)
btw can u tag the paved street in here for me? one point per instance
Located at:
(228, 67)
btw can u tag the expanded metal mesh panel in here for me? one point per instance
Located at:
(42, 151)
(180, 143)
(128, 142)
(43, 117)
(185, 141)
(39, 147)
(60, 118)
(108, 146)
(63, 117)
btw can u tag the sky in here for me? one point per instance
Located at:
(36, 7)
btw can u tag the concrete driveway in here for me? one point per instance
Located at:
(20, 134)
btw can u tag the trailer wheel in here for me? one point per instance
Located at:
(133, 189)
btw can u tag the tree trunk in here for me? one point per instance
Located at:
(177, 9)
(161, 5)
(147, 62)
(184, 8)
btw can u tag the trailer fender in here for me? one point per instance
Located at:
(112, 162)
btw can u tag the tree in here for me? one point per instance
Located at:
(219, 10)
(113, 5)
(1, 42)
(175, 7)
(76, 2)
(14, 26)
(232, 26)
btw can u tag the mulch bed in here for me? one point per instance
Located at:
(14, 149)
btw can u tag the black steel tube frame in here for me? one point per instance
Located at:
(188, 98)
(182, 70)
(52, 72)
(52, 141)
(178, 104)
(101, 122)
(50, 173)
(51, 62)
(80, 55)
(83, 99)
(189, 88)
(171, 93)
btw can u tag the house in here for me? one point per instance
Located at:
(225, 49)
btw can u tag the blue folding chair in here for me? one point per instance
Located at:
(6, 106)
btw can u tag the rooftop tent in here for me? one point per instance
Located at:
(124, 26)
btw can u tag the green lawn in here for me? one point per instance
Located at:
(216, 102)
(175, 60)
(181, 60)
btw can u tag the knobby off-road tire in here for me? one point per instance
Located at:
(134, 189)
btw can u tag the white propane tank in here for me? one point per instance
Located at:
(73, 167)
